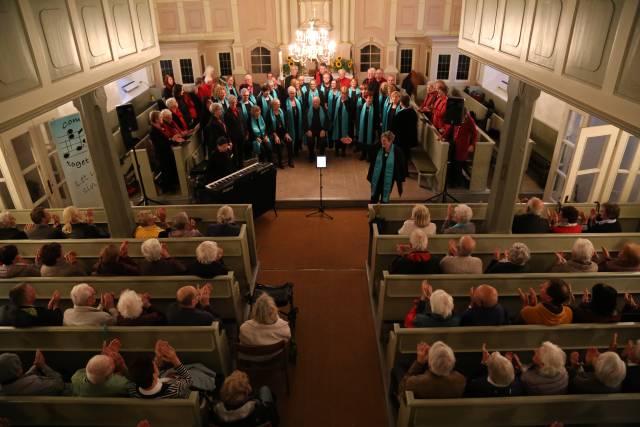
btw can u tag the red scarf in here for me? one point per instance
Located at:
(190, 105)
(182, 123)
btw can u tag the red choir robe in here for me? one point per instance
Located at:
(464, 136)
(439, 109)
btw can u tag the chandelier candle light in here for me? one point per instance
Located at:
(312, 44)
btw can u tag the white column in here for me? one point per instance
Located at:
(336, 21)
(446, 24)
(206, 7)
(237, 47)
(512, 156)
(93, 111)
(421, 15)
(392, 44)
(285, 24)
(182, 20)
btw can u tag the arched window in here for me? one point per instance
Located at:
(260, 60)
(369, 57)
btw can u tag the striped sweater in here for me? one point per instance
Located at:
(177, 387)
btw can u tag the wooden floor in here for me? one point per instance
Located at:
(337, 381)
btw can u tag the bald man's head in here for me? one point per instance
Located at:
(187, 296)
(466, 246)
(485, 296)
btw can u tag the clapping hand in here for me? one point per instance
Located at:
(426, 289)
(591, 355)
(166, 353)
(39, 360)
(605, 253)
(613, 345)
(71, 257)
(528, 299)
(124, 248)
(89, 216)
(586, 296)
(561, 258)
(146, 299)
(630, 301)
(54, 302)
(513, 357)
(161, 214)
(453, 248)
(423, 353)
(56, 220)
(204, 294)
(449, 212)
(107, 301)
(485, 354)
(164, 251)
(574, 359)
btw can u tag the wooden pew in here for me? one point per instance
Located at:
(207, 213)
(100, 411)
(611, 409)
(517, 338)
(541, 246)
(397, 292)
(72, 346)
(226, 300)
(395, 213)
(236, 251)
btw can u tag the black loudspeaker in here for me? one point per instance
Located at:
(455, 109)
(127, 117)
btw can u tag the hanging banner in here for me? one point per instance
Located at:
(70, 140)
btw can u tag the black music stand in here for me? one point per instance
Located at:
(128, 123)
(321, 163)
(454, 117)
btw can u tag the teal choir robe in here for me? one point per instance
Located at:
(385, 170)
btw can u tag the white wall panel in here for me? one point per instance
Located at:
(54, 28)
(629, 83)
(489, 23)
(544, 33)
(18, 75)
(97, 47)
(512, 27)
(469, 24)
(121, 17)
(147, 33)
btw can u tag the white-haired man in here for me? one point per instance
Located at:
(316, 124)
(460, 260)
(104, 375)
(458, 220)
(608, 372)
(8, 229)
(497, 379)
(84, 313)
(432, 375)
(531, 221)
(226, 225)
(441, 305)
(581, 261)
(415, 258)
(157, 260)
(547, 375)
(192, 307)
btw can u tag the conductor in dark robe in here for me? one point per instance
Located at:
(162, 144)
(387, 167)
(316, 126)
(405, 127)
(221, 161)
(236, 130)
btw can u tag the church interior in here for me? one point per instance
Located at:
(234, 213)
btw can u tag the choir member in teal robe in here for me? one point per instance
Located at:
(367, 126)
(386, 168)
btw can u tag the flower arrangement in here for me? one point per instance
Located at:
(342, 63)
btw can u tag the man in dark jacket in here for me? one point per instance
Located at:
(484, 309)
(192, 307)
(41, 229)
(316, 124)
(23, 298)
(531, 221)
(418, 260)
(14, 266)
(8, 229)
(236, 130)
(606, 221)
(405, 127)
(221, 161)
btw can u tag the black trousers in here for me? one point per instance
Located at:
(314, 142)
(266, 153)
(238, 153)
(279, 149)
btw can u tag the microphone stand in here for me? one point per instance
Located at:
(320, 211)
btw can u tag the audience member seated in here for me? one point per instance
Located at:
(183, 226)
(80, 226)
(460, 217)
(265, 327)
(604, 374)
(238, 407)
(497, 377)
(547, 375)
(145, 374)
(84, 313)
(157, 260)
(459, 260)
(226, 226)
(192, 307)
(114, 261)
(628, 259)
(208, 262)
(55, 265)
(512, 261)
(14, 266)
(484, 309)
(566, 221)
(598, 306)
(432, 375)
(582, 254)
(41, 229)
(104, 375)
(135, 309)
(631, 354)
(415, 258)
(147, 227)
(25, 313)
(38, 380)
(8, 229)
(631, 309)
(604, 222)
(441, 309)
(551, 310)
(532, 220)
(420, 219)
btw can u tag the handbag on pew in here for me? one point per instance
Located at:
(283, 296)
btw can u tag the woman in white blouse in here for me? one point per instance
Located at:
(420, 220)
(265, 326)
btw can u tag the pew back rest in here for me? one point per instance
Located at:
(397, 292)
(205, 344)
(226, 300)
(620, 408)
(243, 213)
(100, 411)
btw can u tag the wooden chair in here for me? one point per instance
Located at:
(274, 357)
